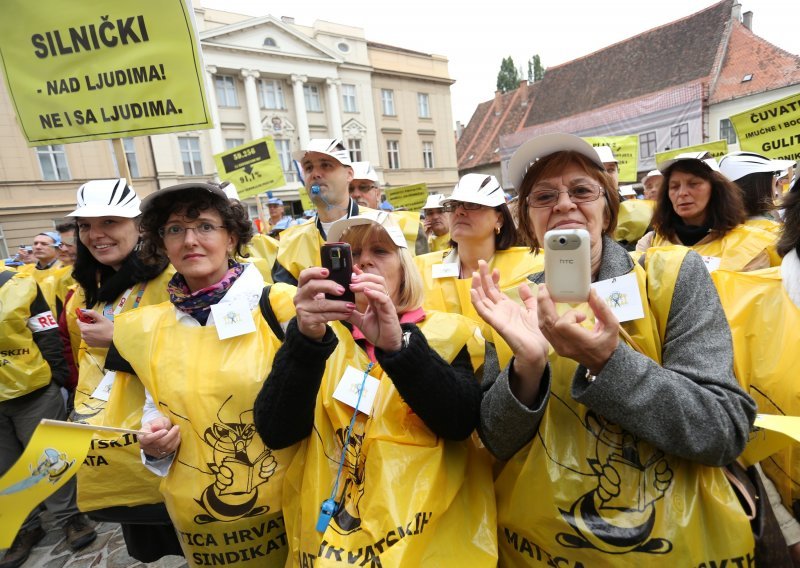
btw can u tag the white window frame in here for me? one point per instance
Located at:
(349, 100)
(191, 156)
(225, 88)
(726, 131)
(312, 98)
(423, 105)
(3, 244)
(645, 144)
(231, 143)
(130, 156)
(427, 155)
(270, 94)
(55, 157)
(393, 154)
(387, 102)
(284, 149)
(356, 153)
(679, 132)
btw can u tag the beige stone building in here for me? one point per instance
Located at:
(265, 76)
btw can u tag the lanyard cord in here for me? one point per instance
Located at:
(349, 432)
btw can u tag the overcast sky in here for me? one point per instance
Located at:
(476, 36)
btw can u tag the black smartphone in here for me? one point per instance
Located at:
(338, 259)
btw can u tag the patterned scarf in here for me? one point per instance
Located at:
(198, 304)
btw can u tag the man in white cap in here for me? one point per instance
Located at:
(610, 163)
(652, 184)
(436, 223)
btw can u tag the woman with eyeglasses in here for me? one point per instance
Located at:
(612, 422)
(202, 357)
(702, 209)
(481, 228)
(112, 280)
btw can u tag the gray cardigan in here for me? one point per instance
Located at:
(691, 407)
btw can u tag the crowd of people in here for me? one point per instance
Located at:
(437, 408)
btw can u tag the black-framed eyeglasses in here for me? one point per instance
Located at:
(547, 197)
(451, 206)
(175, 231)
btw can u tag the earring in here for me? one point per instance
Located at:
(497, 230)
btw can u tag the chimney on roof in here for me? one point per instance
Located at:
(523, 83)
(736, 11)
(459, 130)
(287, 19)
(747, 20)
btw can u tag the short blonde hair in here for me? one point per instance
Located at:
(410, 293)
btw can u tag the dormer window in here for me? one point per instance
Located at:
(270, 42)
(748, 77)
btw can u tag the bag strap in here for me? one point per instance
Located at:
(747, 493)
(269, 314)
(5, 276)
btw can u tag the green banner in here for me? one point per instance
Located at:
(409, 197)
(253, 167)
(626, 151)
(95, 69)
(717, 149)
(772, 129)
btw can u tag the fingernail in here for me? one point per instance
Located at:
(351, 306)
(324, 271)
(340, 289)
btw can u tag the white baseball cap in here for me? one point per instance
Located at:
(333, 147)
(107, 198)
(736, 165)
(434, 201)
(477, 188)
(364, 170)
(703, 157)
(382, 218)
(544, 145)
(651, 174)
(606, 154)
(627, 190)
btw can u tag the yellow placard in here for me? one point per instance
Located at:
(253, 167)
(305, 200)
(409, 197)
(51, 458)
(717, 149)
(94, 69)
(771, 434)
(626, 151)
(772, 129)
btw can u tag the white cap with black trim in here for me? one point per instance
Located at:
(333, 147)
(477, 188)
(736, 165)
(107, 198)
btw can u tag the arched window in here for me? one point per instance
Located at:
(270, 42)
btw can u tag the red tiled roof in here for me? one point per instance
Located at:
(673, 54)
(480, 142)
(748, 54)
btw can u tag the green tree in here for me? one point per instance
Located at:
(535, 69)
(508, 77)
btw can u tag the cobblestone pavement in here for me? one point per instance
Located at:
(107, 551)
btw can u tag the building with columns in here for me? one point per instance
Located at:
(265, 76)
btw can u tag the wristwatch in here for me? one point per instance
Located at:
(406, 339)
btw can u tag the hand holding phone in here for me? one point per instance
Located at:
(338, 259)
(567, 265)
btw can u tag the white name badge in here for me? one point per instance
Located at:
(103, 390)
(233, 318)
(712, 262)
(621, 294)
(449, 270)
(349, 385)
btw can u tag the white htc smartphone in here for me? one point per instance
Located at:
(567, 268)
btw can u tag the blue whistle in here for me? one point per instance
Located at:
(325, 513)
(315, 189)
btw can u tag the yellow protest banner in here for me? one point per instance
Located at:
(717, 149)
(52, 457)
(626, 151)
(772, 129)
(408, 197)
(771, 433)
(95, 69)
(305, 200)
(253, 167)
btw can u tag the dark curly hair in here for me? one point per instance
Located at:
(790, 235)
(192, 202)
(725, 209)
